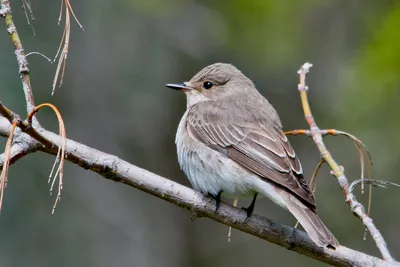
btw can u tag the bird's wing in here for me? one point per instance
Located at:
(259, 145)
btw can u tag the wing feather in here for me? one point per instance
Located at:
(258, 145)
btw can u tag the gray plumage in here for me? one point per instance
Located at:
(230, 139)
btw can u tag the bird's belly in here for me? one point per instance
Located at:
(210, 171)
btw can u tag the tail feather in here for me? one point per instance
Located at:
(310, 221)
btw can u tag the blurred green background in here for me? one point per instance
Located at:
(114, 99)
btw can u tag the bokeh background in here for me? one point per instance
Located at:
(114, 99)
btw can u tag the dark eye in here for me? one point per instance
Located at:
(207, 85)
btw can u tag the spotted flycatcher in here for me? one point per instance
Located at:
(230, 141)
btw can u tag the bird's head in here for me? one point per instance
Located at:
(215, 82)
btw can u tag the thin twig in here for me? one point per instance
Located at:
(19, 53)
(361, 149)
(337, 170)
(376, 183)
(40, 54)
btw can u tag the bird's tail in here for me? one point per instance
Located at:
(310, 221)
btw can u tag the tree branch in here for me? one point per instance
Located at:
(118, 170)
(5, 12)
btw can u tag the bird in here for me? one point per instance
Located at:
(230, 142)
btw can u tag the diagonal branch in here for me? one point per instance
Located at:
(118, 170)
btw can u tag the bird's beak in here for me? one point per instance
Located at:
(179, 86)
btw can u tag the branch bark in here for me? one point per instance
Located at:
(19, 51)
(118, 170)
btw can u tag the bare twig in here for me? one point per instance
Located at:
(376, 183)
(361, 149)
(299, 132)
(337, 170)
(24, 125)
(40, 54)
(5, 12)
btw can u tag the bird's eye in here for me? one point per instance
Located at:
(207, 85)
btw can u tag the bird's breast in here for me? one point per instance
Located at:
(208, 170)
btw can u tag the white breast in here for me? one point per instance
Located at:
(210, 171)
(207, 170)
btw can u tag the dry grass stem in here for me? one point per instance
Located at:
(62, 52)
(230, 228)
(26, 6)
(6, 164)
(57, 170)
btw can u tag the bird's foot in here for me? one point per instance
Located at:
(217, 199)
(249, 210)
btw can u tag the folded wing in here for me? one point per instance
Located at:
(257, 144)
